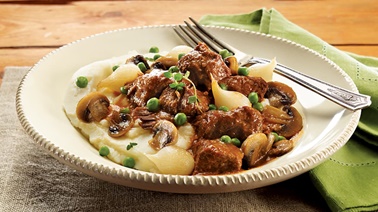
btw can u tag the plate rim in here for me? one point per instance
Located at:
(285, 172)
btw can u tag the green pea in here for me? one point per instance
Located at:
(180, 119)
(123, 90)
(253, 97)
(104, 151)
(154, 49)
(156, 56)
(142, 67)
(212, 107)
(275, 136)
(125, 110)
(180, 55)
(225, 139)
(81, 82)
(115, 67)
(243, 71)
(225, 53)
(153, 104)
(258, 106)
(223, 86)
(173, 69)
(128, 162)
(149, 58)
(224, 108)
(236, 142)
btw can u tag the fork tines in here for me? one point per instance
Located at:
(193, 34)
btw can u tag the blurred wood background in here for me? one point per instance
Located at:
(31, 29)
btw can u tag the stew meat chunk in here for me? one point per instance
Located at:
(238, 123)
(173, 101)
(147, 86)
(202, 63)
(246, 85)
(216, 157)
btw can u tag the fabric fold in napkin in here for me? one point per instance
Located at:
(348, 181)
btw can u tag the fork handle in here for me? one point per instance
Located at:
(341, 96)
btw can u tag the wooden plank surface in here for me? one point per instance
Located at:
(29, 30)
(339, 22)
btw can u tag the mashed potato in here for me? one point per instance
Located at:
(172, 159)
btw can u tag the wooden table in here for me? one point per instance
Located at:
(31, 29)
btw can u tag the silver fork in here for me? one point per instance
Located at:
(192, 34)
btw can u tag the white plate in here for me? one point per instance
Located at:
(327, 126)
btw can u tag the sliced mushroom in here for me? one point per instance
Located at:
(93, 107)
(255, 149)
(159, 65)
(294, 125)
(275, 115)
(137, 59)
(149, 119)
(120, 123)
(281, 147)
(165, 133)
(286, 122)
(280, 94)
(167, 61)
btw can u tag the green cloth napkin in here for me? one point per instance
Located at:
(348, 181)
